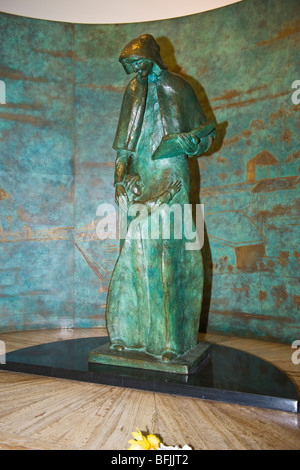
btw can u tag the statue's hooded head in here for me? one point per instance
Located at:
(143, 47)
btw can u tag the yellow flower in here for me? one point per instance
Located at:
(154, 441)
(140, 442)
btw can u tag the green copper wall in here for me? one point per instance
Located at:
(63, 92)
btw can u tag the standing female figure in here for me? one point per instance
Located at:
(155, 294)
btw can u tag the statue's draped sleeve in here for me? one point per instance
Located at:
(131, 116)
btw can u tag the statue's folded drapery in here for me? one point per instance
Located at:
(155, 294)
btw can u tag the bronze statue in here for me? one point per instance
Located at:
(155, 293)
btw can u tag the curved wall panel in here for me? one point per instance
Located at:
(102, 12)
(61, 92)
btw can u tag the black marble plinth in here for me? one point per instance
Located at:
(183, 364)
(225, 374)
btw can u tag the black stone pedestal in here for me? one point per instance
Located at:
(225, 374)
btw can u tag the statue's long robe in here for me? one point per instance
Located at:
(155, 294)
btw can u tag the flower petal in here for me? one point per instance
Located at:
(138, 435)
(154, 441)
(138, 445)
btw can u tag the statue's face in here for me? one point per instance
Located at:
(142, 66)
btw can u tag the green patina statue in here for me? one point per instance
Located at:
(155, 294)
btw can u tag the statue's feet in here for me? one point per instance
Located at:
(168, 356)
(117, 347)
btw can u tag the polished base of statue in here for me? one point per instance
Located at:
(225, 375)
(155, 293)
(183, 364)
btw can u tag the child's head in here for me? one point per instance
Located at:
(133, 185)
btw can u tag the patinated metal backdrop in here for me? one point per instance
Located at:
(63, 89)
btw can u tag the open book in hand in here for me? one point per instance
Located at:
(170, 146)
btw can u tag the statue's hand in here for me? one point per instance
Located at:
(133, 184)
(192, 145)
(121, 198)
(189, 143)
(169, 193)
(174, 187)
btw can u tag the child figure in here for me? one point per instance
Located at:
(134, 187)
